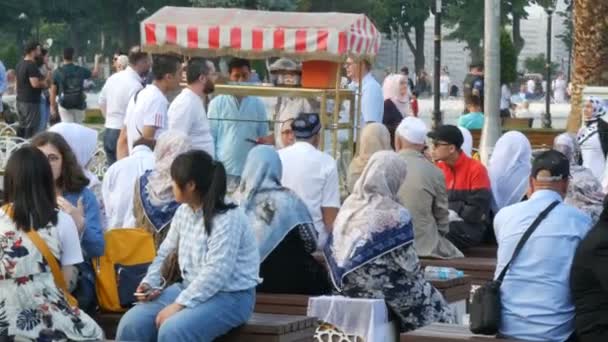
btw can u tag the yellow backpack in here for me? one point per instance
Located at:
(128, 253)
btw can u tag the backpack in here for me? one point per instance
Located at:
(71, 94)
(118, 273)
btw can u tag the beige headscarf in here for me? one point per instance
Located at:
(374, 137)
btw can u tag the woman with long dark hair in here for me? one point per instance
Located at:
(74, 198)
(218, 259)
(32, 307)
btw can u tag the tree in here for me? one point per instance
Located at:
(270, 5)
(590, 53)
(508, 59)
(410, 16)
(466, 18)
(536, 65)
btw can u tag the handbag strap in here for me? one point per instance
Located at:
(49, 257)
(525, 237)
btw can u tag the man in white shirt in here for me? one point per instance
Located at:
(115, 95)
(312, 174)
(119, 181)
(372, 101)
(531, 85)
(147, 110)
(187, 113)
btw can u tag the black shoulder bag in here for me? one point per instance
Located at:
(485, 305)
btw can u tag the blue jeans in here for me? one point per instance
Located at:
(205, 322)
(110, 139)
(45, 113)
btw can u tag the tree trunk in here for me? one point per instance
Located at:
(476, 51)
(419, 60)
(518, 40)
(590, 53)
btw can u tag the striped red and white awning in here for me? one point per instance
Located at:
(260, 34)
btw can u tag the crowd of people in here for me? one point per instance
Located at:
(234, 209)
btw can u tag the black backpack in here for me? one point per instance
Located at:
(71, 95)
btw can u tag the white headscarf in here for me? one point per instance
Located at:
(83, 142)
(509, 169)
(373, 207)
(391, 90)
(169, 145)
(467, 145)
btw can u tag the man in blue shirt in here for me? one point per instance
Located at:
(236, 124)
(372, 100)
(535, 293)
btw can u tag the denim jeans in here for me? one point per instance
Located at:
(205, 322)
(45, 113)
(110, 139)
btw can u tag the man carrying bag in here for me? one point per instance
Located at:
(537, 239)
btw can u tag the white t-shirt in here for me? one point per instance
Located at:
(187, 114)
(118, 187)
(69, 241)
(444, 84)
(115, 95)
(313, 176)
(531, 85)
(505, 97)
(146, 108)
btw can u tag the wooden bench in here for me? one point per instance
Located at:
(481, 270)
(453, 290)
(539, 137)
(486, 251)
(446, 333)
(260, 328)
(274, 328)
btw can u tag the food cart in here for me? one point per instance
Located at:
(306, 37)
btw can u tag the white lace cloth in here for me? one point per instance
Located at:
(366, 318)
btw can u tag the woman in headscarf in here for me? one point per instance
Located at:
(467, 145)
(374, 137)
(396, 102)
(593, 137)
(283, 227)
(509, 169)
(371, 253)
(584, 190)
(154, 204)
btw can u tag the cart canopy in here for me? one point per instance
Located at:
(212, 32)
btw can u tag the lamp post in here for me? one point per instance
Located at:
(547, 117)
(22, 18)
(437, 117)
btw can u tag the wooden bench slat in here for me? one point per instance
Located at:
(439, 332)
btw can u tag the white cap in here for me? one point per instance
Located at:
(413, 130)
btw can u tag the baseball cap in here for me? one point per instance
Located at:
(413, 130)
(306, 125)
(448, 133)
(554, 163)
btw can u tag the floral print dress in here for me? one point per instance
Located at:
(31, 306)
(398, 278)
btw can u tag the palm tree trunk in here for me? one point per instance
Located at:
(590, 63)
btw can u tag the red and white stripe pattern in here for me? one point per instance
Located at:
(360, 39)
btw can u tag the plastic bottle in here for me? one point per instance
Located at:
(442, 273)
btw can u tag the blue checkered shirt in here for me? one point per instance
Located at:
(225, 261)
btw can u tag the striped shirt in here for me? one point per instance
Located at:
(225, 261)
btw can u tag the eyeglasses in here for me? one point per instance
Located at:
(438, 143)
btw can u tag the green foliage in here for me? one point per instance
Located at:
(536, 65)
(466, 18)
(508, 59)
(9, 55)
(272, 5)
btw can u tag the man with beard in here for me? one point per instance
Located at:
(187, 113)
(115, 95)
(30, 83)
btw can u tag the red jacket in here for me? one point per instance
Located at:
(469, 195)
